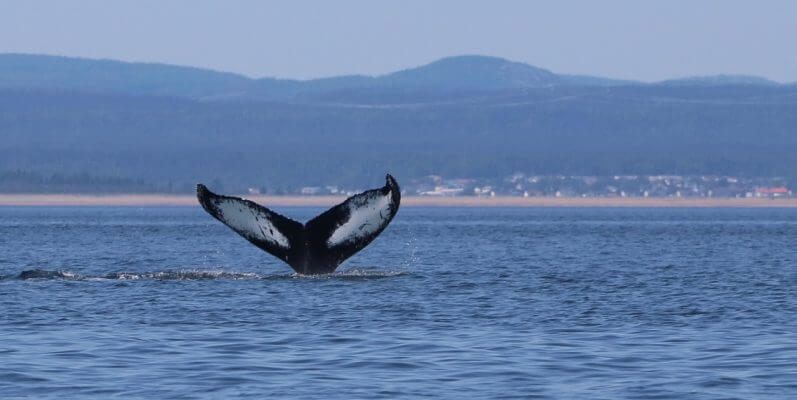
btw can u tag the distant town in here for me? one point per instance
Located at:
(515, 185)
(523, 185)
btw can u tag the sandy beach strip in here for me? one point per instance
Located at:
(150, 200)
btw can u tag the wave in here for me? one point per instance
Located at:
(178, 275)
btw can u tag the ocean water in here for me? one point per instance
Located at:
(447, 303)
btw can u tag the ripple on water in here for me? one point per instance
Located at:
(351, 274)
(447, 303)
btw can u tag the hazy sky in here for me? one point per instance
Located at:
(644, 40)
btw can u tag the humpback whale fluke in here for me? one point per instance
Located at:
(321, 244)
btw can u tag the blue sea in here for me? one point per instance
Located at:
(539, 303)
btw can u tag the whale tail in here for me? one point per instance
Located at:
(321, 244)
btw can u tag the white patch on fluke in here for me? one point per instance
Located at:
(365, 218)
(250, 222)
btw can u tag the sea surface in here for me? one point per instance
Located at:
(546, 303)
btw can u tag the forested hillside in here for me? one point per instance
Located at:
(84, 125)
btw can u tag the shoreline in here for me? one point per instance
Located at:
(155, 200)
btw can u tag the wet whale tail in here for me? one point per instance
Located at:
(321, 244)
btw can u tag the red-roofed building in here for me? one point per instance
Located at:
(778, 191)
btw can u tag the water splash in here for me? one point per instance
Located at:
(412, 250)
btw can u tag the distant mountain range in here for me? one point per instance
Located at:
(70, 124)
(452, 73)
